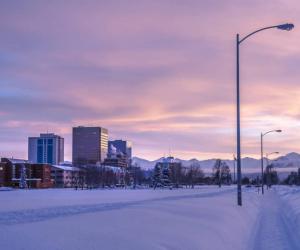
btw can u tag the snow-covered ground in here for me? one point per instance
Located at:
(277, 227)
(202, 218)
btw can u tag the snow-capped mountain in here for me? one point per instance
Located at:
(284, 164)
(145, 164)
(287, 161)
(205, 164)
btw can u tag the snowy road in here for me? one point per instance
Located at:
(205, 218)
(41, 214)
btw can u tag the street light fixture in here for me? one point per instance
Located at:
(268, 154)
(262, 155)
(287, 27)
(268, 168)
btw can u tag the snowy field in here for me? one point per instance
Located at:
(202, 218)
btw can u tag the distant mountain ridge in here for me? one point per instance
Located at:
(289, 161)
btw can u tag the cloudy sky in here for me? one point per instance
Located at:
(158, 73)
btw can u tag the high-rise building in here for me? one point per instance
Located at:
(47, 148)
(120, 147)
(90, 145)
(119, 151)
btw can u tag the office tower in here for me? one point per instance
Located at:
(90, 145)
(47, 148)
(120, 147)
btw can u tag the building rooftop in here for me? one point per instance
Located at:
(66, 168)
(46, 135)
(15, 161)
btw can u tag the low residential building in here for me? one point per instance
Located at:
(5, 175)
(117, 161)
(65, 175)
(22, 173)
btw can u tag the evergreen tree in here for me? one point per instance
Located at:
(22, 183)
(165, 175)
(157, 176)
(225, 173)
(292, 179)
(270, 176)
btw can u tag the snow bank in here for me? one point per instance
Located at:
(290, 196)
(6, 189)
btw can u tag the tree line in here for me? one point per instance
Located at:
(170, 175)
(174, 175)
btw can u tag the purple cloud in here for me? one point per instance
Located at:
(161, 74)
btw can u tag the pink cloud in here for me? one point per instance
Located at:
(161, 74)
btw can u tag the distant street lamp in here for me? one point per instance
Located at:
(268, 168)
(262, 155)
(268, 154)
(287, 26)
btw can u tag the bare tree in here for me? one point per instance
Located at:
(176, 174)
(221, 173)
(195, 174)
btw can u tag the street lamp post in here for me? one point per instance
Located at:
(262, 155)
(287, 26)
(234, 160)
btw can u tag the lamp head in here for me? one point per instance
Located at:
(286, 26)
(278, 130)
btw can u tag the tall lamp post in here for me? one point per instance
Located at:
(234, 160)
(262, 154)
(287, 26)
(268, 168)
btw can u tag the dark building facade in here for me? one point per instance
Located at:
(118, 161)
(65, 176)
(5, 175)
(121, 147)
(119, 153)
(35, 175)
(90, 145)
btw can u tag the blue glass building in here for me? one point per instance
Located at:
(121, 147)
(48, 148)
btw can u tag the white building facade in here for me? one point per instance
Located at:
(47, 148)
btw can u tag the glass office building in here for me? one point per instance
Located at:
(121, 146)
(47, 148)
(90, 145)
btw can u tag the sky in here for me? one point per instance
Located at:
(158, 73)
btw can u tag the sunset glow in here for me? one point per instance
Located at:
(158, 73)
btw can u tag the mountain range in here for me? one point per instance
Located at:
(284, 164)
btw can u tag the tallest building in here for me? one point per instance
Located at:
(90, 145)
